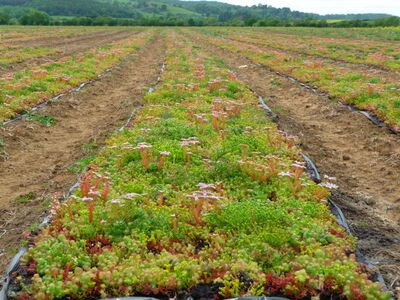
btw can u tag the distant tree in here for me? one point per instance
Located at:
(13, 21)
(84, 21)
(102, 21)
(4, 18)
(250, 21)
(392, 21)
(35, 17)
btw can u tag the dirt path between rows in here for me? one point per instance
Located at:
(364, 157)
(69, 46)
(40, 157)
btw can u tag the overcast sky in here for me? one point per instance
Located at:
(330, 6)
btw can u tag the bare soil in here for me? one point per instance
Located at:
(364, 157)
(39, 157)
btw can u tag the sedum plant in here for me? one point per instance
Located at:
(196, 213)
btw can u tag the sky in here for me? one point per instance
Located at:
(330, 6)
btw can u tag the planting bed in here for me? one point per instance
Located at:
(376, 91)
(201, 197)
(30, 46)
(381, 54)
(42, 153)
(339, 140)
(27, 87)
(12, 35)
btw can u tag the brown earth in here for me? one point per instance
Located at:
(68, 46)
(364, 157)
(39, 157)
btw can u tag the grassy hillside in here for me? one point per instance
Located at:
(165, 9)
(115, 8)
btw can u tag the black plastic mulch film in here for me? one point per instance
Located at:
(311, 169)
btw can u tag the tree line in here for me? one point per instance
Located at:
(36, 17)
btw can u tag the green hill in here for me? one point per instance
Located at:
(164, 12)
(113, 8)
(164, 8)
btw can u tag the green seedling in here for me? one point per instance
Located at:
(42, 119)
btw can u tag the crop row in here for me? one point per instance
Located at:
(24, 89)
(26, 45)
(201, 193)
(361, 89)
(377, 33)
(379, 53)
(15, 54)
(16, 35)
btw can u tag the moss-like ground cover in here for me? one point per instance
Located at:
(364, 91)
(202, 190)
(29, 87)
(383, 54)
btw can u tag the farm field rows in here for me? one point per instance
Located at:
(201, 190)
(339, 140)
(41, 153)
(24, 45)
(385, 34)
(365, 88)
(383, 54)
(200, 194)
(22, 90)
(18, 34)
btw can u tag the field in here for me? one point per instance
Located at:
(187, 153)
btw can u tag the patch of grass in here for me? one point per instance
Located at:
(33, 227)
(276, 82)
(79, 166)
(281, 110)
(46, 202)
(42, 119)
(25, 198)
(89, 150)
(90, 147)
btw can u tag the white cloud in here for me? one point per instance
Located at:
(330, 6)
